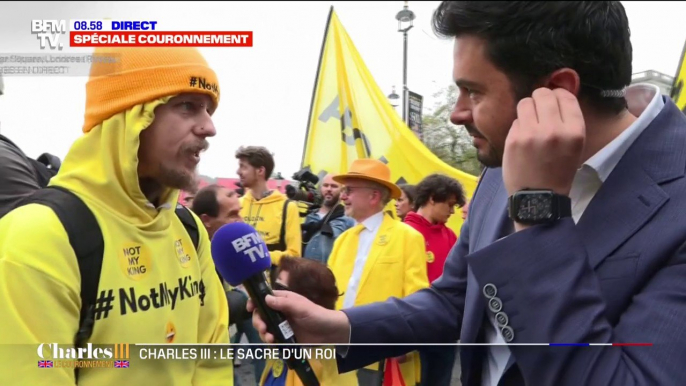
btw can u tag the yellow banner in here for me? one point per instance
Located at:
(351, 118)
(678, 93)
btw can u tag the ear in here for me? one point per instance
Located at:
(206, 220)
(378, 196)
(565, 78)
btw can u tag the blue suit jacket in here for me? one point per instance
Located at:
(619, 275)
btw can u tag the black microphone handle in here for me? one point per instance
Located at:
(277, 325)
(303, 370)
(258, 289)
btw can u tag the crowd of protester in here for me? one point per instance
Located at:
(348, 234)
(89, 245)
(417, 236)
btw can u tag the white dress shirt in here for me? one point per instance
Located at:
(645, 102)
(367, 236)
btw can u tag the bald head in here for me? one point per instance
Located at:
(331, 190)
(329, 178)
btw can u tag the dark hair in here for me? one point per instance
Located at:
(410, 192)
(311, 279)
(439, 187)
(257, 157)
(205, 202)
(528, 40)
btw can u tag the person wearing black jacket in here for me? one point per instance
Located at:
(21, 176)
(323, 226)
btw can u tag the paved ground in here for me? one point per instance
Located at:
(246, 378)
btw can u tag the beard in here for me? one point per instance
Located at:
(178, 178)
(331, 202)
(488, 157)
(248, 181)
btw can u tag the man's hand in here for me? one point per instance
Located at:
(544, 146)
(310, 322)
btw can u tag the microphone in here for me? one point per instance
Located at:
(241, 257)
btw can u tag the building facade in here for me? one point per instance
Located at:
(663, 81)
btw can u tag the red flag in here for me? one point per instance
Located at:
(392, 375)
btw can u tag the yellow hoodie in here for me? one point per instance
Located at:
(266, 216)
(40, 282)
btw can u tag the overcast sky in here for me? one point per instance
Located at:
(266, 89)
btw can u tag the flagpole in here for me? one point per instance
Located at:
(316, 83)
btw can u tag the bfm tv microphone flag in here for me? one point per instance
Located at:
(351, 118)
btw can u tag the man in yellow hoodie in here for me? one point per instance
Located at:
(147, 119)
(268, 211)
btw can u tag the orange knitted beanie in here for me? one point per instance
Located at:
(123, 77)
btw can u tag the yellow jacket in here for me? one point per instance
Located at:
(41, 282)
(266, 216)
(395, 267)
(326, 371)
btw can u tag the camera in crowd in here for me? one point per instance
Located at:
(240, 189)
(306, 190)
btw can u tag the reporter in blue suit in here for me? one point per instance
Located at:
(597, 255)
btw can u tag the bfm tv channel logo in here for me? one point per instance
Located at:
(250, 244)
(115, 356)
(48, 32)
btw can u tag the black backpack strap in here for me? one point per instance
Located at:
(42, 172)
(86, 240)
(284, 217)
(281, 244)
(189, 223)
(85, 237)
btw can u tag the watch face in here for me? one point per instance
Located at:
(534, 206)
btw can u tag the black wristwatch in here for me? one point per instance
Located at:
(533, 207)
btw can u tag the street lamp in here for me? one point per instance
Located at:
(393, 98)
(405, 18)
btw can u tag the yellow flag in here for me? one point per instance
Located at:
(678, 93)
(351, 118)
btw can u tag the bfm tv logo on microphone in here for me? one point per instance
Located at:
(115, 355)
(250, 244)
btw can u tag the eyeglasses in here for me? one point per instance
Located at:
(348, 189)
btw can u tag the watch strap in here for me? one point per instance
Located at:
(564, 206)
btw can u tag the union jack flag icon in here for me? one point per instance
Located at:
(121, 364)
(45, 364)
